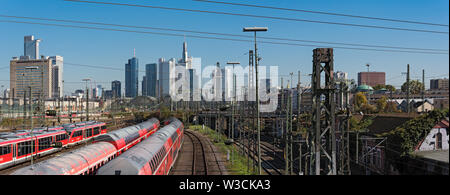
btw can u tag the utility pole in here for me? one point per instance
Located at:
(299, 96)
(286, 136)
(256, 29)
(368, 81)
(423, 90)
(407, 91)
(87, 99)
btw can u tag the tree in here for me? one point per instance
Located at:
(382, 104)
(392, 107)
(390, 88)
(360, 99)
(379, 86)
(368, 108)
(415, 87)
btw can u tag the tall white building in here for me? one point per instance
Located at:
(31, 47)
(165, 77)
(57, 78)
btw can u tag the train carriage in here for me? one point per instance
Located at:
(125, 138)
(154, 156)
(81, 132)
(18, 147)
(90, 158)
(84, 161)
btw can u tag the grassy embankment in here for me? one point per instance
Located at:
(239, 165)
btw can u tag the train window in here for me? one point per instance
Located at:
(88, 132)
(5, 150)
(103, 127)
(77, 133)
(96, 130)
(44, 143)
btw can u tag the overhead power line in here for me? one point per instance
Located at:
(266, 17)
(325, 13)
(215, 33)
(217, 38)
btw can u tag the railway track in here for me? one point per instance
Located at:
(199, 163)
(266, 165)
(198, 157)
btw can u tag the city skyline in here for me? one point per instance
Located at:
(102, 51)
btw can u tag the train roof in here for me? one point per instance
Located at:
(71, 162)
(13, 137)
(131, 161)
(70, 127)
(126, 131)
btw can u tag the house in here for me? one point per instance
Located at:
(437, 138)
(432, 152)
(423, 106)
(416, 105)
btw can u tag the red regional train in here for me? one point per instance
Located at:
(154, 156)
(20, 147)
(87, 160)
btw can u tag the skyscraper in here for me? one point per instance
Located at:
(57, 76)
(131, 78)
(151, 77)
(31, 74)
(116, 88)
(144, 85)
(31, 47)
(165, 78)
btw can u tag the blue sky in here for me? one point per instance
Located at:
(113, 49)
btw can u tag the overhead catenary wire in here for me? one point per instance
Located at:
(324, 13)
(266, 17)
(216, 38)
(216, 33)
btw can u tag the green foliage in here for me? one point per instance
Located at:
(164, 113)
(392, 107)
(390, 88)
(356, 125)
(379, 86)
(382, 104)
(415, 87)
(360, 99)
(406, 137)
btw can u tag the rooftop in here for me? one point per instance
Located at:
(437, 155)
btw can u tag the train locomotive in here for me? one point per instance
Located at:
(87, 160)
(154, 156)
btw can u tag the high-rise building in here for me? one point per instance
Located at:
(151, 77)
(166, 69)
(144, 85)
(131, 78)
(116, 89)
(57, 77)
(439, 84)
(97, 92)
(34, 74)
(372, 78)
(31, 47)
(185, 59)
